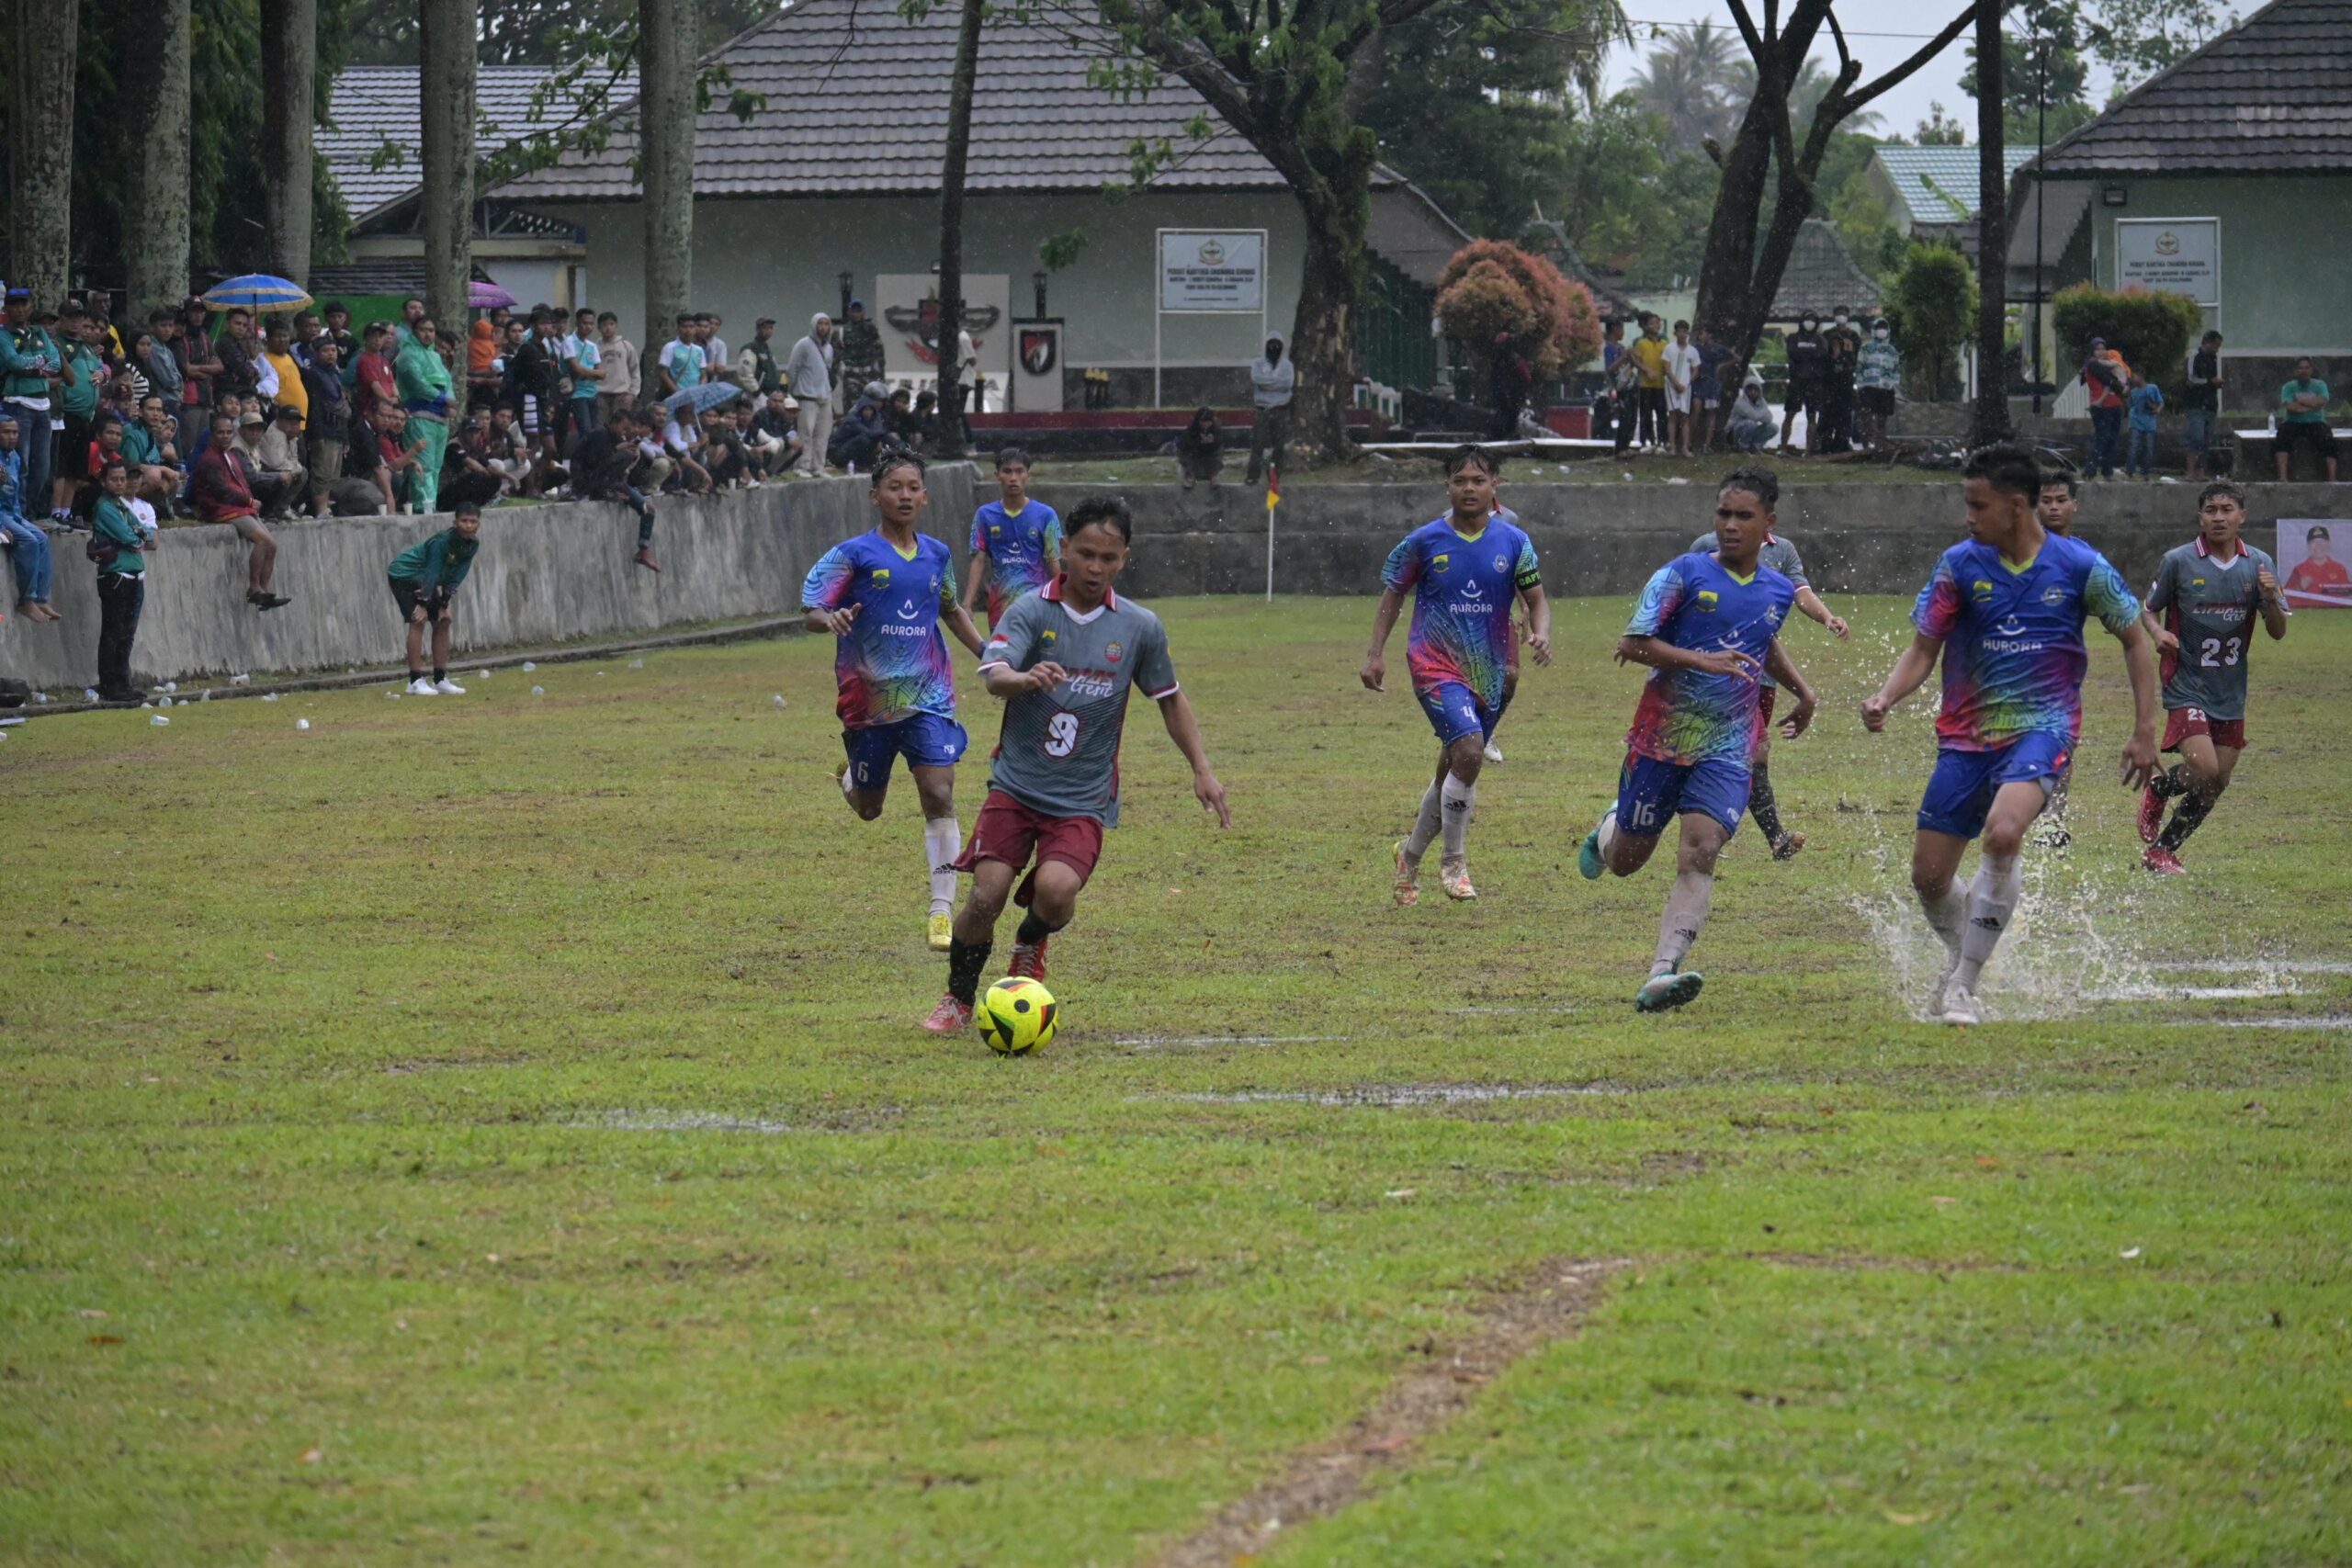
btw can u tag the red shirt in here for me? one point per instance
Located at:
(222, 488)
(2324, 581)
(376, 382)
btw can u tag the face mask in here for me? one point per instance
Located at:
(1880, 334)
(1810, 325)
(1841, 320)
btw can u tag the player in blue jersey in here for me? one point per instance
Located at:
(1464, 571)
(2208, 593)
(1708, 627)
(885, 595)
(2005, 612)
(1016, 542)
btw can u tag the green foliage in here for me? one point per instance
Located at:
(1492, 289)
(1932, 304)
(2136, 38)
(2150, 330)
(1056, 252)
(1625, 203)
(2044, 77)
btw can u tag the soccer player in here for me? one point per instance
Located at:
(883, 595)
(2056, 501)
(2006, 611)
(2208, 593)
(1464, 571)
(1062, 660)
(1708, 627)
(424, 577)
(1021, 538)
(1781, 557)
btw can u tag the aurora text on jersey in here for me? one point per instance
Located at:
(1695, 602)
(1463, 586)
(2013, 654)
(892, 663)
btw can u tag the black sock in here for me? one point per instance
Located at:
(965, 962)
(440, 673)
(1034, 930)
(2171, 781)
(1761, 805)
(2185, 819)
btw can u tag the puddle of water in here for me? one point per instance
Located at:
(2282, 988)
(1165, 1042)
(2339, 1020)
(2255, 965)
(1389, 1095)
(1547, 1008)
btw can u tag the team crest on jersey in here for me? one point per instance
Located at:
(2197, 583)
(996, 530)
(1046, 636)
(1502, 563)
(1439, 563)
(881, 577)
(2053, 595)
(1113, 653)
(1707, 599)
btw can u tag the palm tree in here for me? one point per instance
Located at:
(1813, 85)
(1690, 82)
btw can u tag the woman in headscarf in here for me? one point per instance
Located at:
(424, 387)
(484, 372)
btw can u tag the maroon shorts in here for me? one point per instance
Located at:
(2182, 723)
(1009, 831)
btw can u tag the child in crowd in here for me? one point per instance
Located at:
(423, 576)
(2147, 400)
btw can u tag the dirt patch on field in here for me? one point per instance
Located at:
(1551, 1305)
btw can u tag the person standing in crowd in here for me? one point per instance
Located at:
(282, 478)
(583, 362)
(967, 367)
(375, 379)
(161, 365)
(1625, 390)
(622, 366)
(1648, 355)
(1840, 375)
(1681, 369)
(1706, 388)
(2144, 403)
(277, 348)
(756, 370)
(338, 332)
(1273, 381)
(1808, 368)
(81, 381)
(27, 545)
(1200, 450)
(861, 347)
(329, 426)
(485, 367)
(539, 375)
(150, 444)
(2302, 420)
(2110, 380)
(2200, 404)
(1878, 373)
(117, 545)
(680, 364)
(423, 577)
(808, 374)
(238, 374)
(425, 392)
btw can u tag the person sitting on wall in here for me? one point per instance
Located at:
(1200, 448)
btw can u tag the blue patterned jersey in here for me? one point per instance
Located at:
(893, 664)
(1020, 545)
(2013, 639)
(1694, 602)
(1462, 587)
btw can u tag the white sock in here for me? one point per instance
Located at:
(1606, 834)
(1425, 826)
(1457, 799)
(942, 841)
(1947, 917)
(1686, 911)
(1992, 899)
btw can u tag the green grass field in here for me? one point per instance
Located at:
(493, 1130)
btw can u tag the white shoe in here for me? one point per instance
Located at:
(1943, 989)
(1960, 1005)
(448, 688)
(1494, 752)
(421, 687)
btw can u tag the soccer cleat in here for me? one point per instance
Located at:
(1661, 993)
(421, 687)
(1588, 861)
(2151, 814)
(448, 688)
(1453, 875)
(840, 777)
(1407, 885)
(1960, 1006)
(1936, 997)
(1029, 960)
(939, 932)
(950, 1017)
(1786, 846)
(1494, 752)
(2163, 861)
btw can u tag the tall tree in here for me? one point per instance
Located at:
(289, 48)
(445, 139)
(665, 151)
(1693, 84)
(1746, 257)
(2044, 78)
(40, 148)
(155, 247)
(961, 83)
(1992, 419)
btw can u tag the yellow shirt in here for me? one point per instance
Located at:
(290, 390)
(1649, 353)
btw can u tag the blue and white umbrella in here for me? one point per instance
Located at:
(702, 397)
(256, 291)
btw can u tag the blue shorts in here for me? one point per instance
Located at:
(1650, 791)
(1456, 712)
(1961, 791)
(925, 741)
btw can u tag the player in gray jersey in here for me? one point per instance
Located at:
(1781, 557)
(2207, 594)
(1062, 660)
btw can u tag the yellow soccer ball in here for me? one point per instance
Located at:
(1016, 1016)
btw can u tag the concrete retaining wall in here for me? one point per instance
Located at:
(1608, 538)
(546, 574)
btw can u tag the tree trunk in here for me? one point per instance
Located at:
(1992, 420)
(1727, 273)
(952, 438)
(156, 91)
(40, 150)
(289, 56)
(1321, 344)
(446, 31)
(665, 117)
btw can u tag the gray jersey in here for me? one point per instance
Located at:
(1778, 554)
(1059, 749)
(2211, 608)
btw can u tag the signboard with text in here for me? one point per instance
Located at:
(2176, 255)
(1219, 270)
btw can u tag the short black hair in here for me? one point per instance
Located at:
(2230, 488)
(1468, 453)
(466, 508)
(896, 457)
(1010, 457)
(1756, 480)
(1107, 510)
(2008, 467)
(2064, 478)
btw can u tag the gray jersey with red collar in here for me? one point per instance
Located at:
(1058, 752)
(2212, 609)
